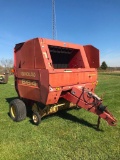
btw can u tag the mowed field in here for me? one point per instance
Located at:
(66, 135)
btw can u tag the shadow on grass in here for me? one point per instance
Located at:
(68, 116)
(10, 99)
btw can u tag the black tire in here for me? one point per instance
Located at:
(17, 110)
(36, 118)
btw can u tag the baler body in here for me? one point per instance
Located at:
(47, 70)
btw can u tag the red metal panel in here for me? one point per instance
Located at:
(77, 61)
(39, 59)
(92, 54)
(60, 43)
(26, 57)
(29, 92)
(71, 78)
(46, 55)
(53, 97)
(44, 85)
(31, 74)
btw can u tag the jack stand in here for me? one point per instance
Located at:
(98, 122)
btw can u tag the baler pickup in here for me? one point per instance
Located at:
(52, 75)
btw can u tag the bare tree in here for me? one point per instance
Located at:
(7, 64)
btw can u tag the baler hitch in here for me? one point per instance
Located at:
(104, 109)
(84, 98)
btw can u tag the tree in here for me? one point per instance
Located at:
(6, 64)
(103, 65)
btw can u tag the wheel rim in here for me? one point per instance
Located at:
(13, 111)
(35, 118)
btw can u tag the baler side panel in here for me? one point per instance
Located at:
(84, 57)
(27, 82)
(92, 54)
(29, 92)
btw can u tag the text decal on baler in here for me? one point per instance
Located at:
(29, 83)
(28, 74)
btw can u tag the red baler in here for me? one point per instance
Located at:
(52, 75)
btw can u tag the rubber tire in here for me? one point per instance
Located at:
(20, 110)
(38, 118)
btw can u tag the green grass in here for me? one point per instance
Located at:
(67, 135)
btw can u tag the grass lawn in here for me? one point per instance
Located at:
(67, 135)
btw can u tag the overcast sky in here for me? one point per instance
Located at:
(95, 22)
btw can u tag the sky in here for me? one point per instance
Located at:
(95, 22)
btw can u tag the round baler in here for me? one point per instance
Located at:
(52, 75)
